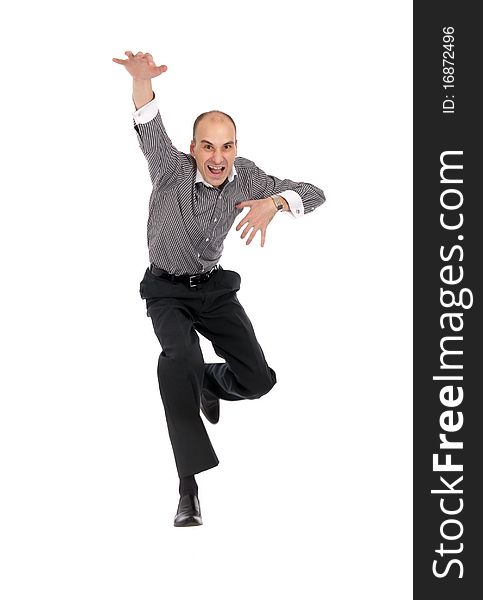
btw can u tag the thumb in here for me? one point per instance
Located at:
(244, 203)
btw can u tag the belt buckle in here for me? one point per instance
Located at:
(192, 284)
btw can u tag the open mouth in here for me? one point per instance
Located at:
(216, 171)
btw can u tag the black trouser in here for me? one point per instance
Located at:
(211, 308)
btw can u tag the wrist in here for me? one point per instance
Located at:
(142, 92)
(279, 202)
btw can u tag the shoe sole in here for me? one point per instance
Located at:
(188, 524)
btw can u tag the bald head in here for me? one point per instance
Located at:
(214, 116)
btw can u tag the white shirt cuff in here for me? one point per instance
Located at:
(294, 202)
(146, 113)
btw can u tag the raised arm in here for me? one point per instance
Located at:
(163, 158)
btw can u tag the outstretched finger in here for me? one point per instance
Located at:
(120, 61)
(241, 224)
(245, 219)
(252, 235)
(246, 230)
(262, 243)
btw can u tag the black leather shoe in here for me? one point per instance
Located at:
(210, 406)
(188, 511)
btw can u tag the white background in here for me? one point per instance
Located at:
(312, 496)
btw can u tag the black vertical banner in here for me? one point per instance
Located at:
(448, 269)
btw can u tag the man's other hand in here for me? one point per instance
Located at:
(257, 218)
(140, 65)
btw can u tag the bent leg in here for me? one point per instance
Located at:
(245, 374)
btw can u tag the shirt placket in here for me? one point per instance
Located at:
(210, 234)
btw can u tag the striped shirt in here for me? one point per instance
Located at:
(188, 218)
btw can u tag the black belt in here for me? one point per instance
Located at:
(191, 280)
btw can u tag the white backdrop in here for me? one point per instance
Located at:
(312, 496)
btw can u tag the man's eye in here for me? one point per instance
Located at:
(207, 147)
(228, 147)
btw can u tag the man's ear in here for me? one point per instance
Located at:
(192, 148)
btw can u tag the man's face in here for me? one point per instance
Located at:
(214, 148)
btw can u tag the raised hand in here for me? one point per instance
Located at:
(140, 65)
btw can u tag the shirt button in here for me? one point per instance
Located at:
(297, 211)
(198, 254)
(215, 219)
(207, 240)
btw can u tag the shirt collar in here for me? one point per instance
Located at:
(199, 177)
